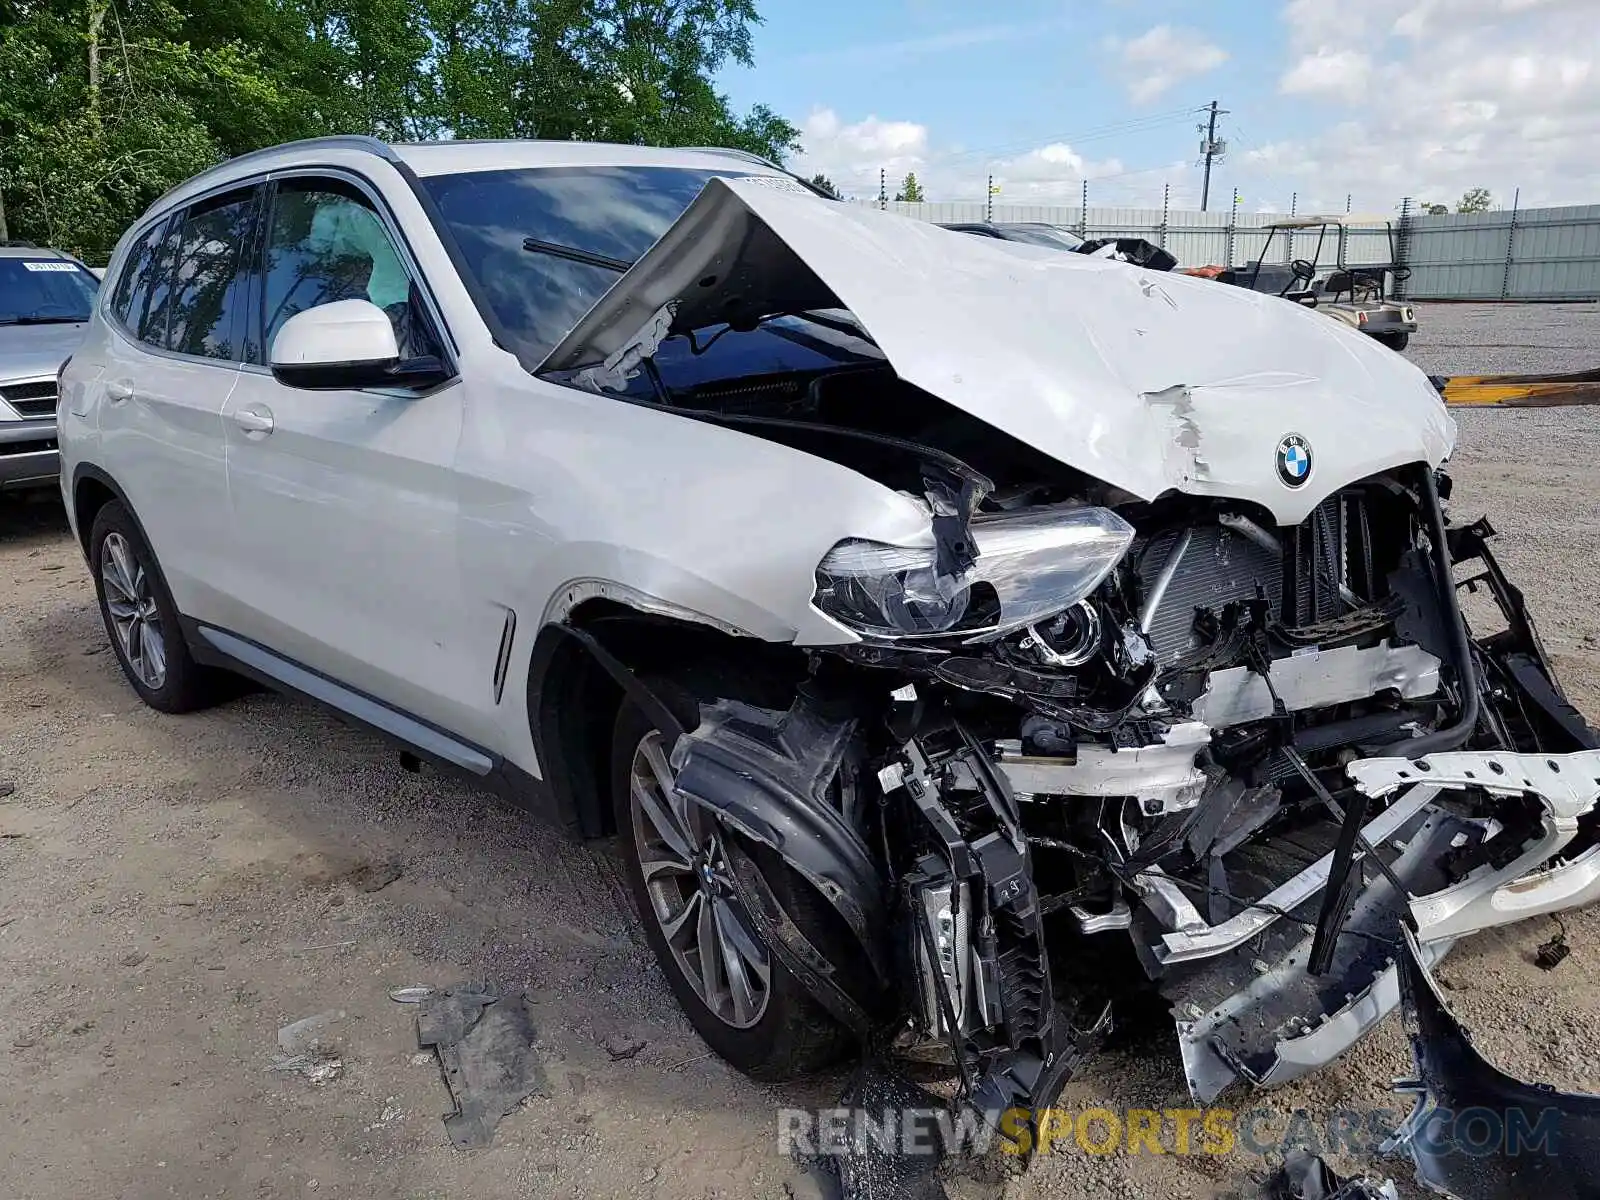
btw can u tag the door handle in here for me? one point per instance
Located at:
(119, 393)
(255, 420)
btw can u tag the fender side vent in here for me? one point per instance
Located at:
(502, 660)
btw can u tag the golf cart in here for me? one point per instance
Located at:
(1356, 295)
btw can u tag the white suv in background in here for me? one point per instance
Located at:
(928, 616)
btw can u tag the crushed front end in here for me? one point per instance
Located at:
(1094, 745)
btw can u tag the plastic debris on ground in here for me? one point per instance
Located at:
(1305, 1176)
(484, 1041)
(306, 1048)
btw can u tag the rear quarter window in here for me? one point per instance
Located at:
(138, 299)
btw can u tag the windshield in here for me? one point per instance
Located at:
(44, 291)
(543, 244)
(1041, 235)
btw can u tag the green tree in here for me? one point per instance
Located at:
(1434, 210)
(105, 105)
(1475, 200)
(910, 190)
(822, 182)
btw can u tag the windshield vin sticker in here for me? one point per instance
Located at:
(48, 266)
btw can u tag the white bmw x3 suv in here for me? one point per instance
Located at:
(942, 625)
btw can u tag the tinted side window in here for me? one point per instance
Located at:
(133, 284)
(208, 292)
(326, 243)
(149, 319)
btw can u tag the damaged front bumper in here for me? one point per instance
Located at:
(1477, 1133)
(1244, 989)
(1250, 1008)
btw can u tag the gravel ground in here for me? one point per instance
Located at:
(1505, 339)
(173, 890)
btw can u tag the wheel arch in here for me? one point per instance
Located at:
(92, 490)
(581, 669)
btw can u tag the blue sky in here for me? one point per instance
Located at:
(1378, 98)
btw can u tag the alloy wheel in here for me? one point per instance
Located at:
(686, 874)
(135, 618)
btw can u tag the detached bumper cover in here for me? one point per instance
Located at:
(1478, 1133)
(1248, 1010)
(1566, 785)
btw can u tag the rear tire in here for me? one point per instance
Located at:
(141, 620)
(1395, 341)
(770, 1028)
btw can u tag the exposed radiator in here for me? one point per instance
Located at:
(1219, 563)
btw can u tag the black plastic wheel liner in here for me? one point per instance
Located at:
(1479, 1133)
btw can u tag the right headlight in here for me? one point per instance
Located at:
(1030, 565)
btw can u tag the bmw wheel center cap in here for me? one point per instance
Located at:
(1294, 460)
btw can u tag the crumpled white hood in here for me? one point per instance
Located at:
(1151, 382)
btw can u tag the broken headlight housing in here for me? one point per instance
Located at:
(1030, 565)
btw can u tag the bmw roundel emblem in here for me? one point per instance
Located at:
(1294, 460)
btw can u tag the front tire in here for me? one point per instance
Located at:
(740, 999)
(140, 618)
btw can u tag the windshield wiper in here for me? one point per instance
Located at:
(573, 254)
(32, 319)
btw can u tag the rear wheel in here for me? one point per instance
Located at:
(741, 1000)
(140, 618)
(1395, 341)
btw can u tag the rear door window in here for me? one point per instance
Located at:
(207, 311)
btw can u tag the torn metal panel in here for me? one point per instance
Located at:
(623, 363)
(1476, 1132)
(1316, 679)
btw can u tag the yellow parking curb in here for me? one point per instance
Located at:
(1522, 391)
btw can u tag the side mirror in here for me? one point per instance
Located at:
(347, 344)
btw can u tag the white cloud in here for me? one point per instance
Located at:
(1452, 94)
(1053, 172)
(1162, 57)
(852, 154)
(1328, 71)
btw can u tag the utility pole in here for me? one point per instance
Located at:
(1211, 149)
(883, 191)
(988, 200)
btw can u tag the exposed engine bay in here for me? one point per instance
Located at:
(1086, 742)
(1077, 719)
